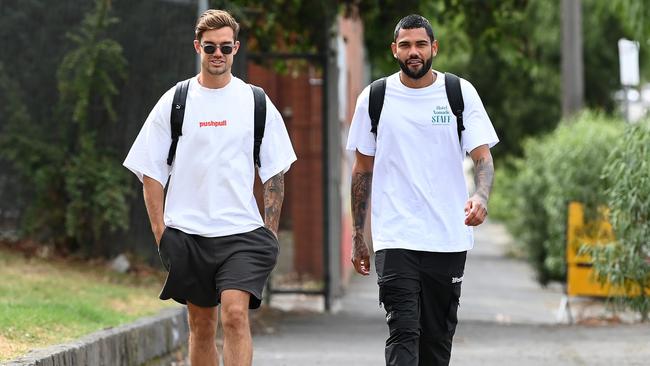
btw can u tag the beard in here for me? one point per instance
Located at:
(426, 66)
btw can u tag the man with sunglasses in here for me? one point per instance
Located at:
(422, 215)
(210, 235)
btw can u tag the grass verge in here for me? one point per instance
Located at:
(50, 301)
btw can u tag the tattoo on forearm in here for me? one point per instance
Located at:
(273, 197)
(483, 177)
(361, 183)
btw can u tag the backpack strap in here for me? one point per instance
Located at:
(455, 98)
(177, 115)
(260, 120)
(376, 102)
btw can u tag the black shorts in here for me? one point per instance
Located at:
(201, 268)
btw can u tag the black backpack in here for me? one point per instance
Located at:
(454, 96)
(178, 113)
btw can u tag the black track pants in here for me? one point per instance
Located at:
(420, 292)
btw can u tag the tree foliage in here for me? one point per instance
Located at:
(510, 51)
(634, 15)
(79, 188)
(283, 25)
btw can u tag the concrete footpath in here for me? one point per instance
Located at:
(506, 318)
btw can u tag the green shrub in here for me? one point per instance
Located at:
(557, 168)
(499, 204)
(626, 263)
(78, 188)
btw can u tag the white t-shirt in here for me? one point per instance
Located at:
(210, 191)
(418, 186)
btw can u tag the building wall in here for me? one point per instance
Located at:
(298, 96)
(357, 74)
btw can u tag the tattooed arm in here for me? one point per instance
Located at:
(273, 197)
(476, 206)
(361, 183)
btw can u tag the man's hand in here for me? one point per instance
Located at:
(360, 255)
(475, 211)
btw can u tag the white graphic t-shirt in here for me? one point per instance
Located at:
(210, 190)
(418, 187)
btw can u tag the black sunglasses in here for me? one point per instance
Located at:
(210, 48)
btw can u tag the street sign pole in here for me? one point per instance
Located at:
(628, 53)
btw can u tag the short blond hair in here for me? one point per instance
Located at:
(215, 19)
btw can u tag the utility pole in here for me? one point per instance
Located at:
(573, 84)
(202, 6)
(331, 163)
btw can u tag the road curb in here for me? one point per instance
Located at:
(154, 340)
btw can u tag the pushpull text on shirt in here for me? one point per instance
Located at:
(213, 123)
